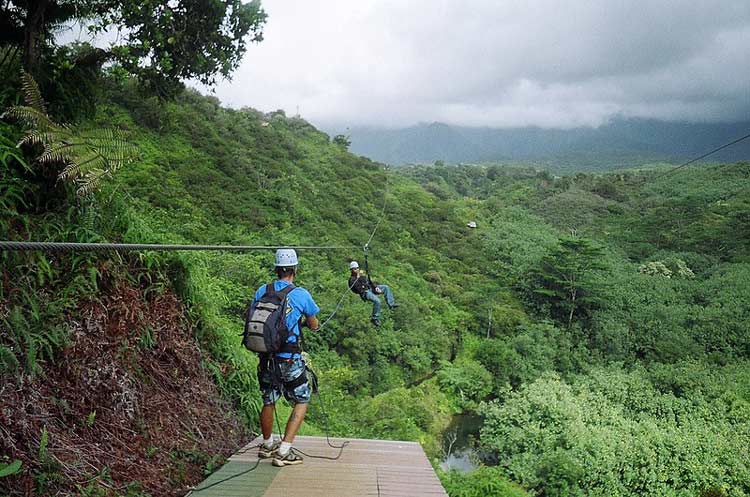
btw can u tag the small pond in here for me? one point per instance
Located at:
(457, 438)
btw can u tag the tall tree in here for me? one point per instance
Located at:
(562, 280)
(160, 42)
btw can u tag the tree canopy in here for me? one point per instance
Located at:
(162, 43)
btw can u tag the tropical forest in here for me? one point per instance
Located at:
(560, 332)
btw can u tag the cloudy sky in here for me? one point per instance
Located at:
(500, 63)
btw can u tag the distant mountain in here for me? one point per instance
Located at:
(619, 143)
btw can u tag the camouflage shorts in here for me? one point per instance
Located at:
(289, 379)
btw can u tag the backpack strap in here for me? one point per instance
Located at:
(286, 290)
(270, 290)
(295, 347)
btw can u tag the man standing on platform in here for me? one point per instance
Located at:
(284, 372)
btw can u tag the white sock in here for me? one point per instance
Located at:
(284, 449)
(268, 442)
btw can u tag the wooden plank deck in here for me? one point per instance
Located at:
(378, 468)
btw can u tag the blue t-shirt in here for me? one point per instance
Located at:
(300, 304)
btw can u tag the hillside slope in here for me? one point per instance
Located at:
(126, 407)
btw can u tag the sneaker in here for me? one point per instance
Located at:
(375, 322)
(395, 305)
(289, 459)
(266, 452)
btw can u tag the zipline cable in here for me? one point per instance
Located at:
(23, 246)
(338, 306)
(124, 247)
(325, 426)
(382, 212)
(252, 468)
(703, 156)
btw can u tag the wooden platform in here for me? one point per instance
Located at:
(366, 468)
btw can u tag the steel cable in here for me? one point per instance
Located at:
(123, 247)
(703, 156)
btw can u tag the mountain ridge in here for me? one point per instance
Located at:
(619, 143)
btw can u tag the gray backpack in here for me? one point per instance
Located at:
(265, 323)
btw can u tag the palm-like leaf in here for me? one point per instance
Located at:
(31, 118)
(32, 94)
(87, 156)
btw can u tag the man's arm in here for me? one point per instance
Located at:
(310, 310)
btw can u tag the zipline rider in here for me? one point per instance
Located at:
(284, 372)
(363, 286)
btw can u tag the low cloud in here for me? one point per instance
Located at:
(546, 63)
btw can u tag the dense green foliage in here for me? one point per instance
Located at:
(483, 482)
(645, 391)
(599, 323)
(666, 430)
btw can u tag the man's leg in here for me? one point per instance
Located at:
(388, 294)
(266, 420)
(268, 446)
(295, 421)
(297, 391)
(270, 395)
(369, 295)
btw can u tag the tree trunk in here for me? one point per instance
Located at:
(572, 307)
(32, 33)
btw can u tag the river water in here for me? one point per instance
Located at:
(462, 456)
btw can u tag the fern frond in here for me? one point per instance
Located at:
(31, 118)
(81, 165)
(111, 143)
(51, 156)
(87, 156)
(33, 138)
(91, 181)
(31, 93)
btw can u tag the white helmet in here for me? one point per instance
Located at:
(286, 258)
(353, 265)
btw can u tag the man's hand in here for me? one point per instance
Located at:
(378, 290)
(312, 323)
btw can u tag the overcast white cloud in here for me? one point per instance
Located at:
(551, 63)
